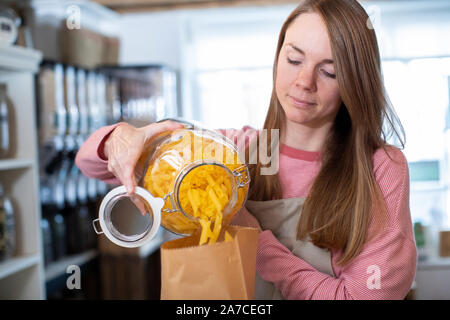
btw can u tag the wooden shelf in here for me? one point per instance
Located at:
(17, 58)
(8, 164)
(17, 264)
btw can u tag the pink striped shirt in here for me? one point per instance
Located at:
(384, 269)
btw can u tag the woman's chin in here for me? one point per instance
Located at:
(296, 116)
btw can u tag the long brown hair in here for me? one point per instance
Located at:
(337, 212)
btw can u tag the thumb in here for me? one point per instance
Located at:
(130, 182)
(155, 129)
(139, 204)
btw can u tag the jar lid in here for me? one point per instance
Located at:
(121, 219)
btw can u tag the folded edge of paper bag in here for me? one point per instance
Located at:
(248, 245)
(180, 281)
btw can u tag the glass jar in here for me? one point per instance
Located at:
(7, 227)
(10, 23)
(194, 178)
(5, 129)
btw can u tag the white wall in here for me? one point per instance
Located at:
(151, 38)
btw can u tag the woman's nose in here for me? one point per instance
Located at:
(306, 79)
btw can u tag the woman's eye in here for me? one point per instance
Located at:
(294, 62)
(329, 75)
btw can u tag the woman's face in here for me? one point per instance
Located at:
(306, 83)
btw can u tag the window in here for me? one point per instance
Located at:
(419, 91)
(234, 97)
(231, 65)
(231, 75)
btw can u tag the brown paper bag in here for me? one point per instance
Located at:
(220, 271)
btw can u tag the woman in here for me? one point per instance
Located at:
(335, 220)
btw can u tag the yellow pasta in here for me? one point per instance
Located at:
(204, 192)
(206, 231)
(228, 237)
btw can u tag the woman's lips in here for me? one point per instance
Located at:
(301, 103)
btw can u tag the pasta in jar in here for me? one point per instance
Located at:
(202, 180)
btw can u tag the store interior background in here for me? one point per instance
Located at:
(212, 64)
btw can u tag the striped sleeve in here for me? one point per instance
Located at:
(384, 269)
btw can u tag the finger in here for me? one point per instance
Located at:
(129, 180)
(128, 169)
(139, 204)
(156, 128)
(130, 184)
(139, 171)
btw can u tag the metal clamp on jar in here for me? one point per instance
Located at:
(191, 174)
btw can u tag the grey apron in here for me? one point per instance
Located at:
(281, 217)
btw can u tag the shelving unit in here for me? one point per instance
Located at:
(16, 164)
(22, 277)
(17, 264)
(57, 268)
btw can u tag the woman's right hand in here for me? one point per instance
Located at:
(125, 146)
